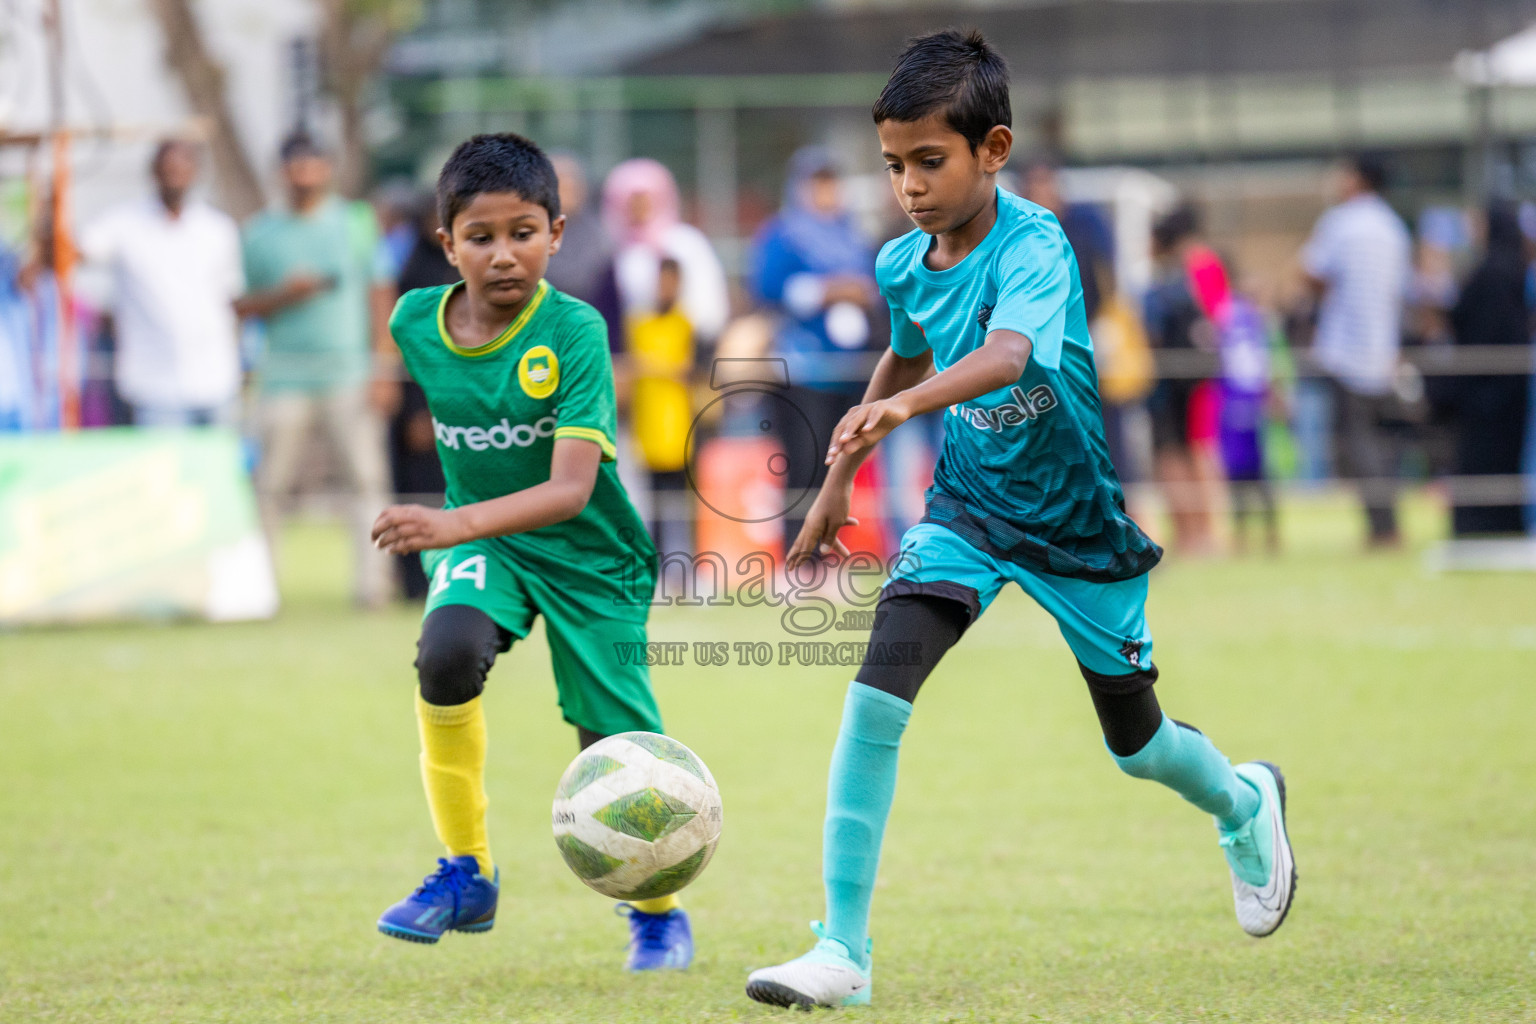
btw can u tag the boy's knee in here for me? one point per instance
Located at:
(1129, 714)
(449, 671)
(458, 645)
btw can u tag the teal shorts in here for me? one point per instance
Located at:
(1105, 624)
(597, 642)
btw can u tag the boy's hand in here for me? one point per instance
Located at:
(406, 529)
(818, 535)
(864, 425)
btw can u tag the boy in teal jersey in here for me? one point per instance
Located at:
(519, 383)
(987, 323)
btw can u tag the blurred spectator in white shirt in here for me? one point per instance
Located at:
(642, 208)
(176, 270)
(1358, 261)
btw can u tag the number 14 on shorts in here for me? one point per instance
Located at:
(472, 568)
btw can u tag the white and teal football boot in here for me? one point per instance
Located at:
(826, 976)
(1259, 855)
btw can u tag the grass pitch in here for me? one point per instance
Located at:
(201, 823)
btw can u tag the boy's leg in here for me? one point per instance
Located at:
(861, 786)
(1147, 744)
(457, 648)
(939, 585)
(862, 781)
(603, 693)
(475, 608)
(1105, 625)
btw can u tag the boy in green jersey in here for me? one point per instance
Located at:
(519, 383)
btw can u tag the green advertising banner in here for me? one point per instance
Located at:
(121, 524)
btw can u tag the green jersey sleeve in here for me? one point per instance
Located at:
(413, 325)
(586, 403)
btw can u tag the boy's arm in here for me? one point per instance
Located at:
(404, 529)
(999, 362)
(893, 375)
(900, 388)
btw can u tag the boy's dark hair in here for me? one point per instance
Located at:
(1372, 170)
(500, 162)
(953, 71)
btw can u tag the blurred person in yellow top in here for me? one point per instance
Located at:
(662, 356)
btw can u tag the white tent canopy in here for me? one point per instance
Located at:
(1510, 61)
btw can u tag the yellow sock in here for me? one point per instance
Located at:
(453, 771)
(659, 905)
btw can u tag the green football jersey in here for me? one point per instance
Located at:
(497, 410)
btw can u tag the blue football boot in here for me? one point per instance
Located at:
(456, 897)
(658, 942)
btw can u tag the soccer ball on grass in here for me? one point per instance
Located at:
(637, 816)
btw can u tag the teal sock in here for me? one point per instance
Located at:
(1181, 758)
(860, 787)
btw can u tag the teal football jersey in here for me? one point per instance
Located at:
(1025, 473)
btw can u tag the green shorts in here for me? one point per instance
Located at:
(597, 643)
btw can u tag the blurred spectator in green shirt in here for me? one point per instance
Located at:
(310, 268)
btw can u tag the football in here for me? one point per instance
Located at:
(637, 816)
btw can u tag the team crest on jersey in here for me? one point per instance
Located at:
(538, 372)
(984, 315)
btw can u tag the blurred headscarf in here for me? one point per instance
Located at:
(1491, 411)
(640, 176)
(661, 232)
(1491, 309)
(829, 243)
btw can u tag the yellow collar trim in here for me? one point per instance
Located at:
(497, 343)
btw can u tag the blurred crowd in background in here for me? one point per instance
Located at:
(1216, 383)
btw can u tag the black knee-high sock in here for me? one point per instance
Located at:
(929, 625)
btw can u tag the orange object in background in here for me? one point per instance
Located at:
(740, 499)
(870, 535)
(741, 502)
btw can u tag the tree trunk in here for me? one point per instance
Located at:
(238, 187)
(352, 48)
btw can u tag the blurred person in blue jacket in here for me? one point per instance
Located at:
(30, 327)
(813, 267)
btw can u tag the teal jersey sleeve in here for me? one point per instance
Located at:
(1035, 284)
(586, 403)
(907, 339)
